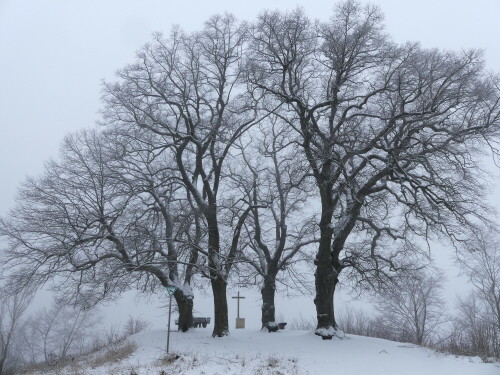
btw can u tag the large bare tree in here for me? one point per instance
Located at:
(96, 231)
(188, 89)
(275, 180)
(391, 134)
(168, 216)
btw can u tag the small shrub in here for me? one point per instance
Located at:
(168, 359)
(135, 325)
(273, 362)
(115, 354)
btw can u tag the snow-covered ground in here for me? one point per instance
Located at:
(282, 353)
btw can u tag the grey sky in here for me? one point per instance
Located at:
(55, 53)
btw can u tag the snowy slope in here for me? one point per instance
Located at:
(285, 352)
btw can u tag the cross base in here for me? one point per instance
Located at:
(240, 323)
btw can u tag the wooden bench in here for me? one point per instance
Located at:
(198, 322)
(275, 327)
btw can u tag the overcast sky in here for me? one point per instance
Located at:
(54, 54)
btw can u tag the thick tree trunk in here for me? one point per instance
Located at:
(185, 305)
(221, 325)
(268, 291)
(326, 281)
(325, 276)
(218, 282)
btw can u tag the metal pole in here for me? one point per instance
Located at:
(238, 299)
(169, 313)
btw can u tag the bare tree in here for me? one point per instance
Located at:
(275, 179)
(93, 234)
(391, 134)
(58, 330)
(477, 324)
(150, 174)
(64, 224)
(413, 309)
(481, 263)
(12, 308)
(473, 331)
(189, 91)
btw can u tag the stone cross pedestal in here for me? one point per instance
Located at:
(240, 323)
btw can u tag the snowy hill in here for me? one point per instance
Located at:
(282, 353)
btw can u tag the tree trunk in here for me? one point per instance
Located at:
(268, 291)
(218, 282)
(221, 325)
(2, 361)
(185, 306)
(326, 280)
(325, 276)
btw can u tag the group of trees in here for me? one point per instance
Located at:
(11, 310)
(55, 334)
(249, 149)
(413, 309)
(477, 324)
(44, 336)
